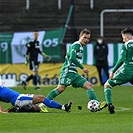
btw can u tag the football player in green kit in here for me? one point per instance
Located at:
(69, 74)
(126, 72)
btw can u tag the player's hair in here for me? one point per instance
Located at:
(127, 31)
(86, 31)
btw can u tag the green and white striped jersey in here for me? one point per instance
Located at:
(73, 57)
(126, 55)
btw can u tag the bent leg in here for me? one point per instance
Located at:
(89, 91)
(56, 92)
(108, 93)
(46, 101)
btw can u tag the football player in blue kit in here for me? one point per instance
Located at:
(27, 101)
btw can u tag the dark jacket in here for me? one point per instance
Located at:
(100, 54)
(33, 50)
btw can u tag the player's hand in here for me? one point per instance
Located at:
(111, 75)
(48, 58)
(85, 70)
(26, 62)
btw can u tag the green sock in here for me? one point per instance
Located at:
(91, 94)
(53, 94)
(108, 95)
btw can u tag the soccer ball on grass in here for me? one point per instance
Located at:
(93, 105)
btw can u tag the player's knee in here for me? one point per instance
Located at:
(87, 85)
(41, 97)
(106, 85)
(38, 98)
(61, 88)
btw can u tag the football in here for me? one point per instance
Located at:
(93, 105)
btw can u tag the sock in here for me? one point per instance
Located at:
(52, 104)
(29, 78)
(53, 94)
(35, 80)
(108, 95)
(91, 94)
(63, 107)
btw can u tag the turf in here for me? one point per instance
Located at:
(77, 121)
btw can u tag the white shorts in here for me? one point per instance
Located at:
(24, 101)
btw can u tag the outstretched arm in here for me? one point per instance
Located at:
(46, 56)
(121, 59)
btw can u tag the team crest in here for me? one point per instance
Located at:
(21, 47)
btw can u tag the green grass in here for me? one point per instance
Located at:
(78, 121)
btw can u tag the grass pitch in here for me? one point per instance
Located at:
(77, 121)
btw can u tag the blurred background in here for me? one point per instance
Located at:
(27, 15)
(61, 21)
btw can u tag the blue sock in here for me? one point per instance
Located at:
(52, 104)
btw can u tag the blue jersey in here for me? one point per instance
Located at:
(8, 95)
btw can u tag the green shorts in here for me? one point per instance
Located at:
(123, 76)
(72, 78)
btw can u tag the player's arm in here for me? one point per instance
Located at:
(73, 56)
(46, 56)
(121, 59)
(27, 54)
(27, 60)
(27, 57)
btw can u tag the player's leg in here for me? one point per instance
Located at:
(35, 80)
(35, 66)
(108, 93)
(26, 101)
(129, 72)
(24, 83)
(63, 83)
(34, 108)
(90, 91)
(43, 107)
(83, 83)
(108, 97)
(29, 78)
(58, 90)
(55, 92)
(51, 103)
(131, 77)
(118, 79)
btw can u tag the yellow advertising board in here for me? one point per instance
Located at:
(48, 73)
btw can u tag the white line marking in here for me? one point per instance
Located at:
(122, 109)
